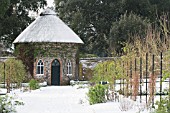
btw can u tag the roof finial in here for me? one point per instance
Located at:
(47, 11)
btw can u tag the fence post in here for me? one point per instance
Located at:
(161, 77)
(127, 82)
(131, 78)
(120, 83)
(153, 79)
(140, 79)
(4, 75)
(146, 77)
(135, 80)
(123, 79)
(8, 80)
(169, 90)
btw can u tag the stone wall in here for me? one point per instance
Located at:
(64, 53)
(88, 64)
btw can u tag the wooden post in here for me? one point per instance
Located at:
(8, 79)
(4, 75)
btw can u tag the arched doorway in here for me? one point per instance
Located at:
(55, 72)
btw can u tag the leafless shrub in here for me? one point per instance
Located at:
(141, 107)
(152, 85)
(135, 85)
(126, 104)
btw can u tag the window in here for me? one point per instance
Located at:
(40, 67)
(69, 69)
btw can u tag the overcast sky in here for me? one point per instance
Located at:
(50, 3)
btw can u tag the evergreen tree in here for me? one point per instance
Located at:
(123, 30)
(92, 19)
(3, 6)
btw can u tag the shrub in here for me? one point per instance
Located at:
(33, 84)
(108, 71)
(97, 94)
(163, 106)
(8, 103)
(14, 70)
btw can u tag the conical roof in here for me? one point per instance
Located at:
(48, 28)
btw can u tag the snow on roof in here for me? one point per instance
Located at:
(48, 28)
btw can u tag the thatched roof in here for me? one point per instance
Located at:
(48, 28)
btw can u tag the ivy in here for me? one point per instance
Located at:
(27, 52)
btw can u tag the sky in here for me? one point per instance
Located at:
(50, 3)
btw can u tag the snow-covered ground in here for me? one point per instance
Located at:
(68, 99)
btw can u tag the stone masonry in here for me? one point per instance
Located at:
(64, 53)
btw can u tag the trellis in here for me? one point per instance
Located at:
(146, 69)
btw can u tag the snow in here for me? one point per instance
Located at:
(48, 28)
(67, 99)
(73, 99)
(3, 91)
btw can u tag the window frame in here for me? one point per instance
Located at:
(69, 68)
(40, 67)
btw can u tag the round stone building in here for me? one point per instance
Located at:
(57, 62)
